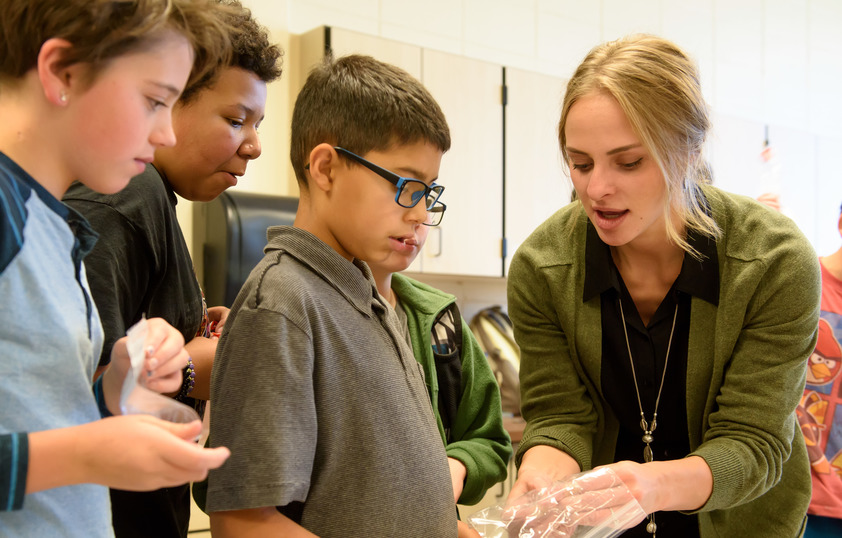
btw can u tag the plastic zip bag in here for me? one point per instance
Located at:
(135, 398)
(594, 504)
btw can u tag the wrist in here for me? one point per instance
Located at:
(112, 384)
(684, 484)
(188, 381)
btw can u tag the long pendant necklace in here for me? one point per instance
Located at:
(648, 429)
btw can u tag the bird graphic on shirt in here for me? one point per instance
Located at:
(824, 364)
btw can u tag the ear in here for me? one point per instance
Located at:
(323, 163)
(839, 224)
(55, 78)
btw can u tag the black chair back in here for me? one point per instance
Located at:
(231, 231)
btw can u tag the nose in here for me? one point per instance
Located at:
(600, 183)
(162, 134)
(418, 212)
(251, 148)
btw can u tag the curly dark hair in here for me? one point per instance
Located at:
(251, 51)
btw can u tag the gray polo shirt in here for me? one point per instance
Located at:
(320, 400)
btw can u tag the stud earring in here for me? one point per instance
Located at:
(62, 96)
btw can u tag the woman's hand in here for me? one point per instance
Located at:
(541, 466)
(684, 484)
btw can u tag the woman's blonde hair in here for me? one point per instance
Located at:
(657, 86)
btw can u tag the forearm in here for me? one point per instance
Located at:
(55, 459)
(112, 385)
(255, 523)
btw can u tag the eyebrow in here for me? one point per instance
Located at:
(611, 152)
(166, 87)
(408, 171)
(248, 112)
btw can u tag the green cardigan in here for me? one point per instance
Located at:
(745, 366)
(479, 439)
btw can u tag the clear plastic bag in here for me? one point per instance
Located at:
(135, 398)
(595, 504)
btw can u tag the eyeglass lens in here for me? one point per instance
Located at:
(435, 214)
(413, 190)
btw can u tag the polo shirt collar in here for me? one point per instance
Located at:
(351, 279)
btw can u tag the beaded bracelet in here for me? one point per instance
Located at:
(189, 380)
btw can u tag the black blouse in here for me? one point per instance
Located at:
(648, 345)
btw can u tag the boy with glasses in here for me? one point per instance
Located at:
(463, 389)
(315, 389)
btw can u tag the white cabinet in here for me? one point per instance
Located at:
(469, 239)
(535, 184)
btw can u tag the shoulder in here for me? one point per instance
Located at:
(13, 198)
(283, 284)
(420, 296)
(558, 240)
(557, 246)
(143, 198)
(753, 231)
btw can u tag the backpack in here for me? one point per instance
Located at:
(493, 330)
(446, 340)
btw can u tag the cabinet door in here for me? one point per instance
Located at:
(403, 55)
(535, 184)
(468, 241)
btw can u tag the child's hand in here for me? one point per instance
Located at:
(464, 531)
(165, 356)
(165, 359)
(458, 472)
(217, 315)
(142, 453)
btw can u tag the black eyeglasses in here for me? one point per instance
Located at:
(435, 214)
(410, 191)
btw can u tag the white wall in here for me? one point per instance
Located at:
(763, 62)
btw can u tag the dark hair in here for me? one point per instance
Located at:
(363, 105)
(250, 51)
(101, 30)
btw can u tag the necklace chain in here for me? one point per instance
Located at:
(648, 429)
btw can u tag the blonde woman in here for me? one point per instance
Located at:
(664, 324)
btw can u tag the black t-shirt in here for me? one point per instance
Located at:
(648, 345)
(141, 265)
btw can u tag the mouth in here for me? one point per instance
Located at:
(408, 240)
(610, 214)
(233, 177)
